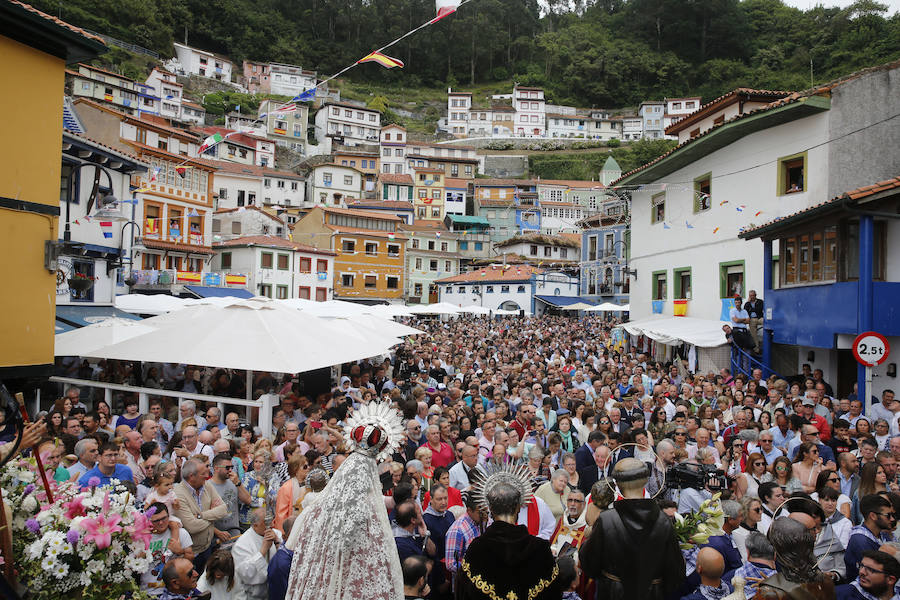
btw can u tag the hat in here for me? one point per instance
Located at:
(562, 411)
(808, 402)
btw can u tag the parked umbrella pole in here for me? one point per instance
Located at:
(249, 396)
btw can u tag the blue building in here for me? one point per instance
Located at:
(604, 258)
(835, 274)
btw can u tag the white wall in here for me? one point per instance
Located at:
(743, 173)
(492, 300)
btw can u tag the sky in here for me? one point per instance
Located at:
(893, 5)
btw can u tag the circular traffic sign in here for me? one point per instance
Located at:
(871, 348)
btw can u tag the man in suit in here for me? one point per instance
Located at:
(601, 467)
(619, 425)
(616, 453)
(199, 507)
(584, 456)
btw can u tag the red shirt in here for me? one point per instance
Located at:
(521, 429)
(453, 495)
(822, 425)
(442, 457)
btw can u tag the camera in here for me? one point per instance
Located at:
(698, 477)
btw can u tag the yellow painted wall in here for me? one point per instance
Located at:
(360, 264)
(30, 155)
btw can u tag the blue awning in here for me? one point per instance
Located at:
(564, 300)
(204, 291)
(74, 315)
(62, 327)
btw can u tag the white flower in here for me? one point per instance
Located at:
(48, 564)
(30, 504)
(26, 476)
(34, 549)
(94, 566)
(61, 570)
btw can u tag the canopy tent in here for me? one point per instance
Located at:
(80, 315)
(390, 310)
(565, 302)
(149, 304)
(607, 307)
(329, 308)
(85, 340)
(475, 310)
(626, 307)
(257, 334)
(206, 291)
(703, 333)
(438, 308)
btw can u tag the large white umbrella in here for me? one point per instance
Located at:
(390, 310)
(384, 326)
(332, 308)
(438, 308)
(475, 310)
(149, 304)
(255, 334)
(577, 306)
(606, 307)
(85, 340)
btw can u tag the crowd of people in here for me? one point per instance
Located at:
(551, 394)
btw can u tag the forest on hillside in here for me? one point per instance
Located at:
(602, 53)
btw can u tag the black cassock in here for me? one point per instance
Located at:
(632, 553)
(507, 562)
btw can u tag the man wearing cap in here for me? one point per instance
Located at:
(808, 411)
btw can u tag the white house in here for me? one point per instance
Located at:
(290, 80)
(508, 287)
(205, 64)
(393, 149)
(332, 185)
(240, 185)
(230, 223)
(541, 248)
(169, 91)
(530, 111)
(632, 128)
(348, 124)
(458, 105)
(278, 268)
(431, 254)
(601, 126)
(92, 249)
(567, 126)
(724, 108)
(678, 108)
(652, 116)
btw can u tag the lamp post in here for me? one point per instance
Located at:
(130, 280)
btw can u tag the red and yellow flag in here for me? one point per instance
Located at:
(382, 59)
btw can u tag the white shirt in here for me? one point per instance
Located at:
(250, 568)
(151, 581)
(459, 479)
(547, 523)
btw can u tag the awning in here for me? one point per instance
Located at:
(703, 333)
(563, 301)
(74, 315)
(62, 326)
(204, 291)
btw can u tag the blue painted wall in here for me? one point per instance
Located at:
(814, 315)
(618, 231)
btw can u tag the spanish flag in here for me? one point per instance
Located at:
(382, 59)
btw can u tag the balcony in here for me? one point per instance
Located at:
(174, 280)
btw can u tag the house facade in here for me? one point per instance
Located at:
(247, 221)
(396, 187)
(286, 126)
(120, 92)
(403, 209)
(290, 80)
(248, 185)
(347, 124)
(205, 64)
(458, 105)
(430, 255)
(257, 77)
(370, 256)
(393, 149)
(604, 259)
(332, 185)
(530, 118)
(428, 195)
(507, 287)
(278, 268)
(170, 93)
(539, 248)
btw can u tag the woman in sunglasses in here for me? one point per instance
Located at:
(755, 473)
(807, 466)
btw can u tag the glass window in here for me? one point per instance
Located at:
(266, 260)
(659, 286)
(658, 208)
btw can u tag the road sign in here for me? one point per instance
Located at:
(870, 349)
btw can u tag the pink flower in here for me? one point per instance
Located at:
(100, 529)
(141, 529)
(75, 508)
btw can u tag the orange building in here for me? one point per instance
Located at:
(370, 250)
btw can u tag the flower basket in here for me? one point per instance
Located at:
(80, 284)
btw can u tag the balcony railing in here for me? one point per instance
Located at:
(169, 277)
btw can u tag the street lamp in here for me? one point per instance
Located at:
(136, 247)
(625, 271)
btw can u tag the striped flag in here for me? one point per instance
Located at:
(382, 59)
(106, 226)
(444, 8)
(210, 142)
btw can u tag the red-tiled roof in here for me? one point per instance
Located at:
(381, 205)
(239, 169)
(206, 164)
(503, 182)
(494, 273)
(93, 68)
(489, 202)
(192, 105)
(268, 240)
(367, 232)
(59, 22)
(857, 194)
(394, 126)
(724, 100)
(574, 237)
(397, 178)
(452, 182)
(177, 247)
(427, 170)
(226, 211)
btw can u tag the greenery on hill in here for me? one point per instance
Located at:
(605, 53)
(587, 166)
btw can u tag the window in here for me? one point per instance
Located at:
(370, 281)
(281, 292)
(417, 289)
(479, 246)
(266, 260)
(658, 208)
(444, 246)
(792, 174)
(682, 279)
(371, 249)
(461, 289)
(418, 264)
(464, 245)
(435, 212)
(322, 266)
(393, 249)
(321, 294)
(236, 227)
(520, 289)
(548, 251)
(448, 266)
(731, 278)
(241, 198)
(348, 179)
(423, 193)
(415, 243)
(393, 283)
(504, 289)
(326, 178)
(305, 265)
(702, 193)
(422, 212)
(265, 289)
(284, 262)
(226, 260)
(348, 246)
(592, 247)
(563, 253)
(303, 292)
(293, 186)
(694, 132)
(281, 184)
(659, 285)
(719, 120)
(819, 250)
(347, 280)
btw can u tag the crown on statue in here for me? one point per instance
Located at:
(375, 429)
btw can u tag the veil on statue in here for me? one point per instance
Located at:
(343, 545)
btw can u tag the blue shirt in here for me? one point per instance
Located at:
(861, 539)
(279, 571)
(780, 440)
(740, 313)
(121, 472)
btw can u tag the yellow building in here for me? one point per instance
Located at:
(35, 48)
(428, 195)
(370, 250)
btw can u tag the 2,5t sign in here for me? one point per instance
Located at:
(870, 348)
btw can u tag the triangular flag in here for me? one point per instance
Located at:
(666, 225)
(740, 208)
(444, 8)
(382, 59)
(688, 225)
(305, 96)
(182, 170)
(155, 174)
(723, 202)
(757, 213)
(193, 213)
(716, 230)
(210, 142)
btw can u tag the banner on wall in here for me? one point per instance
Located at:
(213, 279)
(235, 279)
(679, 308)
(727, 305)
(658, 306)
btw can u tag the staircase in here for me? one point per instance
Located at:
(744, 362)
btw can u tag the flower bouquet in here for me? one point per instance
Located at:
(87, 544)
(695, 529)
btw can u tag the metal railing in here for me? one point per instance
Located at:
(744, 362)
(126, 45)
